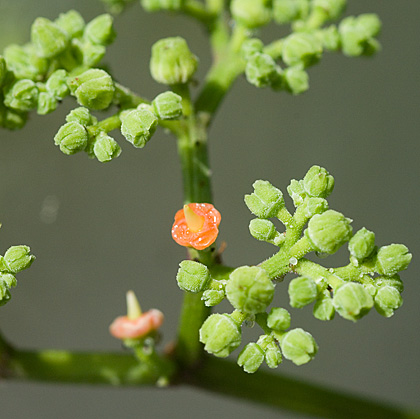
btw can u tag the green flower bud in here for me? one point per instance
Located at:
(138, 126)
(156, 5)
(94, 89)
(18, 258)
(168, 105)
(250, 289)
(172, 61)
(387, 300)
(56, 84)
(7, 281)
(296, 192)
(106, 148)
(3, 69)
(392, 281)
(315, 206)
(357, 34)
(100, 30)
(213, 297)
(278, 319)
(302, 291)
(46, 103)
(251, 13)
(82, 116)
(251, 357)
(49, 40)
(328, 231)
(6, 297)
(261, 70)
(88, 53)
(332, 8)
(12, 119)
(192, 276)
(263, 230)
(318, 182)
(298, 346)
(220, 334)
(272, 352)
(296, 80)
(72, 138)
(24, 63)
(324, 307)
(302, 49)
(71, 23)
(330, 38)
(392, 259)
(285, 11)
(352, 301)
(250, 47)
(3, 265)
(361, 245)
(266, 200)
(22, 95)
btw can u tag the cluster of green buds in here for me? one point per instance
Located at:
(370, 279)
(282, 64)
(16, 259)
(58, 61)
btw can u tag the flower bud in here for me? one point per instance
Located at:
(71, 23)
(315, 206)
(352, 301)
(251, 13)
(56, 84)
(88, 53)
(251, 357)
(261, 70)
(12, 119)
(278, 319)
(285, 11)
(250, 47)
(324, 307)
(296, 192)
(5, 296)
(213, 297)
(272, 352)
(24, 63)
(328, 231)
(167, 105)
(330, 38)
(392, 281)
(387, 300)
(332, 8)
(249, 289)
(82, 116)
(266, 200)
(302, 291)
(301, 49)
(49, 40)
(172, 61)
(72, 138)
(220, 334)
(106, 148)
(361, 245)
(392, 259)
(47, 103)
(298, 346)
(138, 126)
(156, 5)
(100, 30)
(263, 230)
(296, 80)
(318, 182)
(7, 281)
(18, 258)
(192, 276)
(22, 95)
(94, 89)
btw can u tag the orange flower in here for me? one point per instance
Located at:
(196, 225)
(136, 324)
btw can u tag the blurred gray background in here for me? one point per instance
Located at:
(99, 230)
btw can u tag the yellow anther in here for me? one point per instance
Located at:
(194, 221)
(133, 306)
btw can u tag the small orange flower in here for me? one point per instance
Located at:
(196, 225)
(136, 324)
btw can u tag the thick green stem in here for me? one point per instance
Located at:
(273, 390)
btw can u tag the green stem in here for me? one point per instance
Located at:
(313, 270)
(273, 390)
